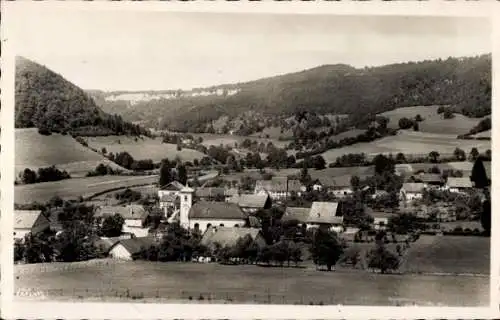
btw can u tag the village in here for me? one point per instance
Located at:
(226, 224)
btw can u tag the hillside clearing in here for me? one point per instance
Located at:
(143, 148)
(171, 282)
(433, 122)
(410, 143)
(73, 188)
(34, 151)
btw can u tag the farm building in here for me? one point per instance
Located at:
(126, 249)
(481, 173)
(459, 185)
(279, 188)
(133, 214)
(214, 194)
(250, 203)
(431, 180)
(321, 214)
(29, 222)
(380, 219)
(339, 186)
(412, 190)
(204, 214)
(225, 236)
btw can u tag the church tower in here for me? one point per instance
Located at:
(186, 195)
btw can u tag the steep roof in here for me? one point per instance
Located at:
(106, 243)
(296, 213)
(128, 212)
(413, 187)
(429, 178)
(216, 210)
(278, 184)
(227, 236)
(168, 197)
(173, 186)
(134, 245)
(324, 212)
(459, 182)
(210, 192)
(257, 201)
(25, 219)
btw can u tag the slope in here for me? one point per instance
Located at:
(34, 150)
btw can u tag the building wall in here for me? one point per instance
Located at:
(119, 252)
(133, 223)
(408, 196)
(203, 223)
(336, 228)
(139, 232)
(19, 234)
(40, 225)
(341, 192)
(186, 203)
(380, 223)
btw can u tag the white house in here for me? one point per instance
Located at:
(133, 214)
(338, 186)
(125, 249)
(29, 221)
(204, 214)
(380, 219)
(321, 214)
(459, 185)
(411, 191)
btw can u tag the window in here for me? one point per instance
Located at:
(185, 198)
(236, 225)
(209, 225)
(196, 226)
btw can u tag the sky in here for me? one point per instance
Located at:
(110, 51)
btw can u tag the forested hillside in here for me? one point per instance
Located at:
(462, 83)
(49, 102)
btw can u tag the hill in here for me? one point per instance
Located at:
(47, 101)
(34, 150)
(463, 83)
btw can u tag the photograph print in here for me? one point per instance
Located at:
(252, 158)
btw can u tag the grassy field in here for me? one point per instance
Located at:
(73, 188)
(171, 282)
(455, 254)
(143, 148)
(410, 142)
(34, 150)
(433, 122)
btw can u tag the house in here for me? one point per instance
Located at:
(29, 222)
(250, 203)
(481, 173)
(279, 188)
(380, 219)
(340, 186)
(431, 180)
(214, 194)
(378, 194)
(127, 248)
(133, 214)
(321, 214)
(225, 236)
(350, 234)
(168, 194)
(411, 191)
(459, 185)
(204, 214)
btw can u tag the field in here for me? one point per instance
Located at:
(455, 254)
(143, 148)
(433, 122)
(73, 188)
(410, 142)
(177, 282)
(34, 150)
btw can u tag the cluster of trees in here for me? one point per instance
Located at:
(483, 125)
(102, 170)
(125, 160)
(28, 176)
(168, 174)
(128, 195)
(49, 102)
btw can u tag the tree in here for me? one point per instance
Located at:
(434, 156)
(165, 173)
(448, 114)
(474, 154)
(486, 216)
(355, 183)
(459, 154)
(416, 126)
(400, 157)
(305, 178)
(124, 159)
(382, 259)
(29, 176)
(182, 174)
(418, 118)
(319, 162)
(112, 226)
(405, 123)
(103, 150)
(383, 164)
(326, 249)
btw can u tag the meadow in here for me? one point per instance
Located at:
(143, 148)
(73, 188)
(34, 150)
(190, 282)
(411, 143)
(433, 122)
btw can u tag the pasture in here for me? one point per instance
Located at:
(73, 188)
(433, 122)
(178, 282)
(143, 148)
(34, 150)
(410, 143)
(449, 254)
